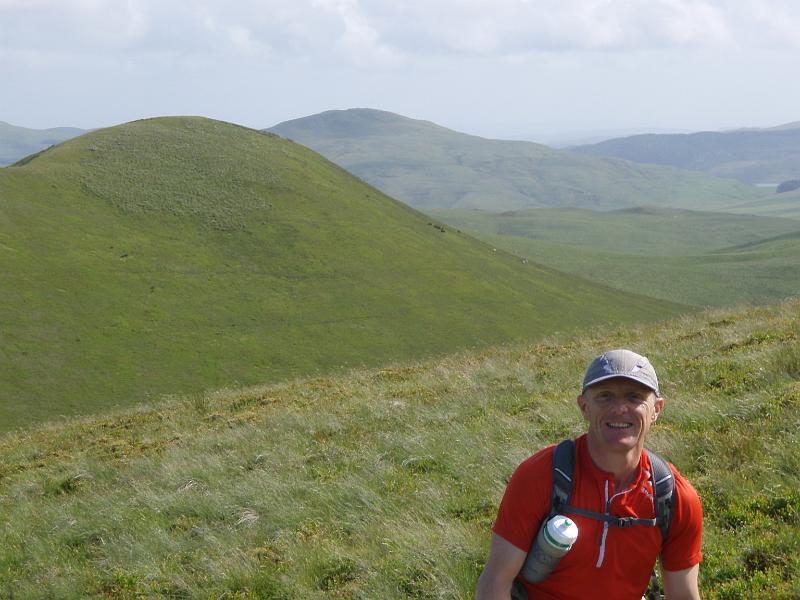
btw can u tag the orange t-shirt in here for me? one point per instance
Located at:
(612, 563)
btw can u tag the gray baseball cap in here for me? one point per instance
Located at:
(622, 363)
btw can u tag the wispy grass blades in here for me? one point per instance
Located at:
(384, 483)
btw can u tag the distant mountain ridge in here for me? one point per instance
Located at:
(429, 166)
(749, 155)
(17, 142)
(784, 126)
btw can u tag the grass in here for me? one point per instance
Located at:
(644, 230)
(178, 255)
(786, 205)
(696, 258)
(383, 483)
(428, 167)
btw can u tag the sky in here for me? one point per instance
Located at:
(545, 70)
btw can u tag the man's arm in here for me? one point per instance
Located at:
(504, 562)
(682, 585)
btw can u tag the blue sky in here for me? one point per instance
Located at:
(543, 69)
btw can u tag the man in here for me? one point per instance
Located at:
(620, 401)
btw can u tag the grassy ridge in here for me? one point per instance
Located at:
(701, 259)
(183, 254)
(384, 483)
(428, 166)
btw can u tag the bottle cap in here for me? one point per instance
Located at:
(561, 532)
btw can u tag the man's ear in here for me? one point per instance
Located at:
(582, 405)
(658, 406)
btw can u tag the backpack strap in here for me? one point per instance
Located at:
(664, 491)
(610, 519)
(563, 470)
(660, 476)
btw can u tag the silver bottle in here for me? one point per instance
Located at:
(555, 538)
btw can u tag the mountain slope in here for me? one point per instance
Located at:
(751, 156)
(18, 142)
(428, 166)
(182, 254)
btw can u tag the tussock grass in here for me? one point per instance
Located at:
(384, 483)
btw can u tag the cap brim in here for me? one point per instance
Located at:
(624, 376)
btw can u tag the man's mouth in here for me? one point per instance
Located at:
(619, 425)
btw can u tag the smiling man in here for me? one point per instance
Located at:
(613, 501)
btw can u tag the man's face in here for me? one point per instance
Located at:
(620, 412)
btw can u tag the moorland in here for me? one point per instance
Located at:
(384, 483)
(233, 369)
(697, 258)
(182, 254)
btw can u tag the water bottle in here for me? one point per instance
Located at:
(554, 540)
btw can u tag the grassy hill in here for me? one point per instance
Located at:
(786, 205)
(183, 254)
(781, 245)
(19, 142)
(642, 230)
(701, 259)
(428, 166)
(384, 483)
(751, 156)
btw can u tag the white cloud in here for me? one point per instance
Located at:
(518, 26)
(775, 23)
(360, 42)
(380, 33)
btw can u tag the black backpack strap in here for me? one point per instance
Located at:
(660, 475)
(608, 518)
(664, 491)
(563, 470)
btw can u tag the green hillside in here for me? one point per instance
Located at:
(786, 205)
(18, 142)
(751, 156)
(642, 230)
(428, 166)
(701, 259)
(384, 483)
(183, 254)
(780, 246)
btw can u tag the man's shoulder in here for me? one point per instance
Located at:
(683, 487)
(537, 467)
(542, 459)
